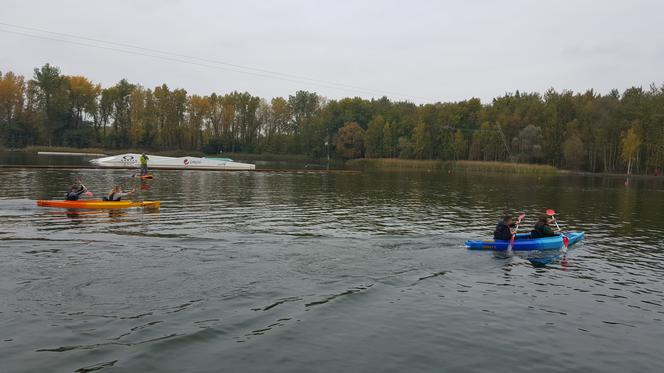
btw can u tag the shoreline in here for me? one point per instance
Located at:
(359, 164)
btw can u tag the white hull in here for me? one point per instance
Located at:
(131, 160)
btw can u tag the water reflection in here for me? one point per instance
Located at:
(324, 270)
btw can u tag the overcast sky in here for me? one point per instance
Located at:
(416, 50)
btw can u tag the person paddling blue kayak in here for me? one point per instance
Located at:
(504, 228)
(542, 227)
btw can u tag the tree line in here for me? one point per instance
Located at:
(588, 131)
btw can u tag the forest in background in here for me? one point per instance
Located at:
(615, 132)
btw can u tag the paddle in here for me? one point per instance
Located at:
(509, 246)
(552, 213)
(87, 192)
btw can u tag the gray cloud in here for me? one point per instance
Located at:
(432, 50)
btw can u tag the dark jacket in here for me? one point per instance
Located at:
(542, 230)
(75, 192)
(503, 231)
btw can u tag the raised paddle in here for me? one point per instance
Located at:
(509, 246)
(552, 213)
(87, 192)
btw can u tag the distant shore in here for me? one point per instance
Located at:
(366, 164)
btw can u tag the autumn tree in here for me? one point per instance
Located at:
(350, 141)
(630, 146)
(82, 97)
(12, 91)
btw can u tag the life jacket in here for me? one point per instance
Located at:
(540, 231)
(72, 196)
(502, 232)
(110, 197)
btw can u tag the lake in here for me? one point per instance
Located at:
(302, 272)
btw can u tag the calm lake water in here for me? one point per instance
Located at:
(302, 272)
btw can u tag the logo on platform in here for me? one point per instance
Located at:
(128, 158)
(186, 162)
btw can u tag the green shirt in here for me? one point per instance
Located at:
(542, 231)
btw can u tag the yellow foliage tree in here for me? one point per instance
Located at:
(630, 146)
(83, 96)
(11, 97)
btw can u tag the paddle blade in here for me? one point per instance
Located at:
(88, 193)
(522, 216)
(509, 246)
(550, 212)
(565, 243)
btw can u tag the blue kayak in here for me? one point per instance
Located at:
(523, 242)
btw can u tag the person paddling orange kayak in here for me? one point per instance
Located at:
(76, 190)
(117, 193)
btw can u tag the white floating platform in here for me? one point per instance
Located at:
(131, 160)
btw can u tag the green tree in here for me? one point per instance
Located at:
(423, 145)
(390, 140)
(459, 145)
(573, 152)
(374, 137)
(121, 95)
(529, 144)
(305, 122)
(52, 99)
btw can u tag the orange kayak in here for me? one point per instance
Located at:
(96, 204)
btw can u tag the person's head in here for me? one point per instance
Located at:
(117, 189)
(507, 218)
(77, 181)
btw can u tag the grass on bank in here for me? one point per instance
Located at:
(453, 166)
(394, 164)
(504, 167)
